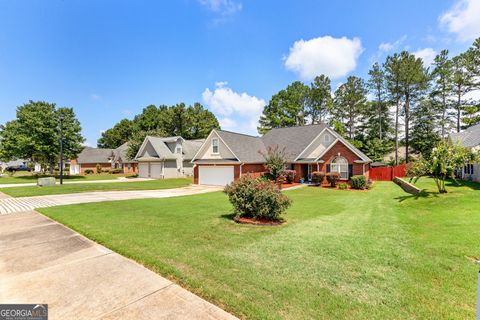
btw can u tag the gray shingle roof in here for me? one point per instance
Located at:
(293, 140)
(165, 149)
(121, 153)
(94, 155)
(469, 138)
(246, 148)
(190, 148)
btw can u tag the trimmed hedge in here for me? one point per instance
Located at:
(359, 182)
(290, 175)
(88, 171)
(317, 177)
(332, 178)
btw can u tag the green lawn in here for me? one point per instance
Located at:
(26, 177)
(381, 254)
(89, 187)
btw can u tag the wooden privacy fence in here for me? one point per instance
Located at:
(388, 173)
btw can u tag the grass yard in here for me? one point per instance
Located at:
(27, 177)
(89, 187)
(381, 254)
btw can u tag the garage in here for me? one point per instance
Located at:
(215, 175)
(143, 170)
(152, 170)
(156, 170)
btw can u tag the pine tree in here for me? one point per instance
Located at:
(349, 104)
(442, 90)
(424, 128)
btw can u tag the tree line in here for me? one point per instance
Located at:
(192, 122)
(402, 103)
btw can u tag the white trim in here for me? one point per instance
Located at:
(218, 146)
(339, 167)
(311, 142)
(349, 146)
(142, 146)
(205, 142)
(327, 149)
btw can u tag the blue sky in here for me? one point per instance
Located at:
(109, 59)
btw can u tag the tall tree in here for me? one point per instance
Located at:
(116, 136)
(472, 109)
(414, 81)
(424, 128)
(442, 90)
(349, 104)
(319, 99)
(286, 108)
(192, 122)
(392, 78)
(463, 83)
(34, 134)
(377, 85)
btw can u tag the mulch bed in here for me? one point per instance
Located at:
(257, 222)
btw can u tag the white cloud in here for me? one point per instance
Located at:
(222, 7)
(463, 19)
(227, 123)
(427, 55)
(386, 47)
(237, 110)
(334, 57)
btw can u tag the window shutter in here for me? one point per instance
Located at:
(350, 171)
(328, 168)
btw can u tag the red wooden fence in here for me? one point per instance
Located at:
(388, 173)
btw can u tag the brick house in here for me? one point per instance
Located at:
(107, 159)
(225, 155)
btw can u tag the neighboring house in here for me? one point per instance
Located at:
(469, 138)
(225, 155)
(107, 159)
(168, 157)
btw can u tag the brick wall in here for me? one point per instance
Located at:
(340, 149)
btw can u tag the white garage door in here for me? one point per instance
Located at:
(143, 170)
(216, 176)
(156, 171)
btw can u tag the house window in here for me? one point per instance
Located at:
(340, 165)
(179, 150)
(326, 138)
(468, 169)
(214, 145)
(129, 166)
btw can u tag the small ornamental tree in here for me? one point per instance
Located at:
(444, 160)
(275, 162)
(257, 198)
(98, 168)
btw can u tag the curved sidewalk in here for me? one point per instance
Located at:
(14, 205)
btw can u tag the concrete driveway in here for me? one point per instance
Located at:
(42, 261)
(12, 205)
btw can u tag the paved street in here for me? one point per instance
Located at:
(42, 261)
(13, 205)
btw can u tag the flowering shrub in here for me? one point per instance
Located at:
(359, 182)
(290, 175)
(317, 177)
(332, 178)
(257, 198)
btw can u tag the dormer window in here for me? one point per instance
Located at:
(179, 150)
(215, 145)
(326, 138)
